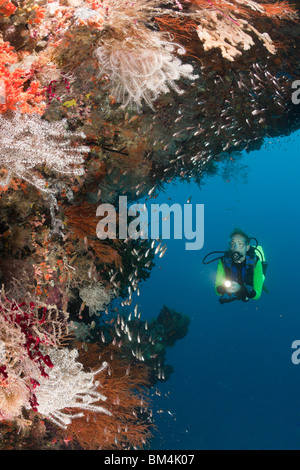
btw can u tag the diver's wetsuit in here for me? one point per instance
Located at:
(250, 278)
(243, 292)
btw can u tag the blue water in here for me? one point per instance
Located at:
(234, 385)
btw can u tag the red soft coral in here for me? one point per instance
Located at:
(7, 8)
(13, 85)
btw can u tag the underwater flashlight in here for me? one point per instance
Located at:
(227, 283)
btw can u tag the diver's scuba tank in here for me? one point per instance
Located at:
(261, 255)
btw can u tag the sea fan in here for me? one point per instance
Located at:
(83, 222)
(26, 333)
(23, 329)
(129, 425)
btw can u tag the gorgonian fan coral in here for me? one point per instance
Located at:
(27, 142)
(129, 424)
(19, 331)
(82, 222)
(26, 331)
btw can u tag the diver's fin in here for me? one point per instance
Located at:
(265, 289)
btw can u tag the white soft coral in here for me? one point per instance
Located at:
(142, 67)
(68, 387)
(27, 142)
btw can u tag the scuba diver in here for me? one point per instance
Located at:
(241, 270)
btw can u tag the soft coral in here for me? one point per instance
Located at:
(14, 83)
(7, 8)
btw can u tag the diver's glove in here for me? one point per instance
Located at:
(245, 293)
(234, 288)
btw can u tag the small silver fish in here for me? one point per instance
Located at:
(163, 252)
(151, 191)
(157, 249)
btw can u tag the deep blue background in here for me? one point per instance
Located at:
(234, 384)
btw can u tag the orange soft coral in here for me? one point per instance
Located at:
(38, 14)
(14, 85)
(7, 8)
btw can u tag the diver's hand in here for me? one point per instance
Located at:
(234, 288)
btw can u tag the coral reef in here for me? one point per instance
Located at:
(141, 341)
(95, 298)
(13, 82)
(67, 386)
(27, 142)
(129, 424)
(232, 37)
(26, 335)
(226, 25)
(142, 67)
(98, 100)
(124, 422)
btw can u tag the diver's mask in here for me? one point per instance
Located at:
(236, 256)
